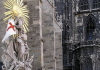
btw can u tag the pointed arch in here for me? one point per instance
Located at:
(90, 27)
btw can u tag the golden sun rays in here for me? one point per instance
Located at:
(16, 8)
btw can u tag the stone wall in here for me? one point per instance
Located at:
(2, 25)
(49, 27)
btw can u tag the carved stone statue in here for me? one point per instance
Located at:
(16, 51)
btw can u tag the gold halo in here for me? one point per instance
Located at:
(16, 8)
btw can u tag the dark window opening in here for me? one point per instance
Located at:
(77, 60)
(83, 5)
(96, 4)
(66, 33)
(90, 27)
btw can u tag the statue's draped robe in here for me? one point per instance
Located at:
(16, 54)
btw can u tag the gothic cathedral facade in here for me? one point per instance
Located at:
(81, 34)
